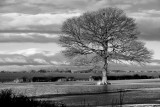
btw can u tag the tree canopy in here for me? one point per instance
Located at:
(107, 32)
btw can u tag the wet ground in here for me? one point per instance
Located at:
(133, 92)
(139, 93)
(146, 96)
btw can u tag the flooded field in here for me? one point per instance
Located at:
(139, 92)
(146, 96)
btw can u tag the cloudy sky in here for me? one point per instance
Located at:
(29, 29)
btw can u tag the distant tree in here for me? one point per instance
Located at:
(42, 71)
(33, 71)
(107, 35)
(2, 71)
(24, 79)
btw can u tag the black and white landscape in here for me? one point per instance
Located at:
(80, 52)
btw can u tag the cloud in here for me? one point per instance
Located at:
(42, 61)
(148, 23)
(32, 7)
(26, 20)
(39, 21)
(28, 16)
(32, 57)
(34, 29)
(20, 6)
(39, 28)
(48, 6)
(13, 59)
(33, 51)
(28, 38)
(22, 21)
(133, 1)
(61, 6)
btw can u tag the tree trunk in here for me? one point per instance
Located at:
(104, 77)
(105, 72)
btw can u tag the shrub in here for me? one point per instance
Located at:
(10, 99)
(123, 77)
(47, 79)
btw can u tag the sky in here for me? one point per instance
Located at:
(29, 29)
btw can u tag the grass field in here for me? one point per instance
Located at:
(75, 92)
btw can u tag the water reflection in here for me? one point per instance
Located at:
(119, 98)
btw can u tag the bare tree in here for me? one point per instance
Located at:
(108, 34)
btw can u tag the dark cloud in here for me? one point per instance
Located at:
(56, 6)
(147, 27)
(50, 28)
(36, 30)
(17, 6)
(41, 6)
(150, 35)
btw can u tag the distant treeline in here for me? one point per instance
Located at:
(44, 79)
(41, 71)
(67, 75)
(124, 77)
(52, 79)
(92, 78)
(136, 76)
(56, 70)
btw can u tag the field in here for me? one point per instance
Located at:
(79, 87)
(144, 91)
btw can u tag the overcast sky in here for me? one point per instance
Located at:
(29, 29)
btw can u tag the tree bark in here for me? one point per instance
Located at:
(105, 72)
